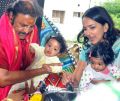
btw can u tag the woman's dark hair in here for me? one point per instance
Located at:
(25, 7)
(104, 51)
(59, 38)
(100, 15)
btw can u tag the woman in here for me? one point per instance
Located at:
(97, 26)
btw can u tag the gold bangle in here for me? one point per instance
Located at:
(8, 99)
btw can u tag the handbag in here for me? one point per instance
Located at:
(54, 79)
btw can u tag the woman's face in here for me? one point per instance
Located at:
(23, 24)
(93, 30)
(52, 48)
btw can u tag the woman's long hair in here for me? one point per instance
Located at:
(100, 15)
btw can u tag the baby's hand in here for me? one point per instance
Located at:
(56, 67)
(33, 47)
(46, 68)
(32, 50)
(99, 81)
(55, 64)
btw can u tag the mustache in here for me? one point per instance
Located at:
(22, 33)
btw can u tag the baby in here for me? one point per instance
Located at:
(100, 67)
(47, 55)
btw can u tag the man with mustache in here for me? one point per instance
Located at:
(17, 31)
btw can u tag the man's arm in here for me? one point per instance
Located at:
(12, 77)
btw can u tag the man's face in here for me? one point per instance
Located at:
(23, 24)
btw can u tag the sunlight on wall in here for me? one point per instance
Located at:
(71, 25)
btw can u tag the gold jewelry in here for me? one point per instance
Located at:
(8, 99)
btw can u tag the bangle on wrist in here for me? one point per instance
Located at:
(8, 99)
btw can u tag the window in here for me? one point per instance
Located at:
(77, 14)
(58, 16)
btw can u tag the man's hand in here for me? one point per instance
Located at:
(30, 88)
(18, 95)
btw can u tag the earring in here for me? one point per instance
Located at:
(105, 35)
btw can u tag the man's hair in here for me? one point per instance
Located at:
(104, 51)
(29, 7)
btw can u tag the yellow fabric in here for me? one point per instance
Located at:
(36, 97)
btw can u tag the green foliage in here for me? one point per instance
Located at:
(113, 7)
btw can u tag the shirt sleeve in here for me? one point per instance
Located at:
(83, 54)
(55, 68)
(86, 78)
(116, 49)
(3, 59)
(114, 71)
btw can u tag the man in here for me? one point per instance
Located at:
(17, 31)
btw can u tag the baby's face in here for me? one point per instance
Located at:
(97, 64)
(52, 48)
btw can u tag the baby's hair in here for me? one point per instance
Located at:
(103, 51)
(59, 38)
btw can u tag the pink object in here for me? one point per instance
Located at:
(14, 52)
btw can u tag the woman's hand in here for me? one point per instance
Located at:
(69, 78)
(66, 77)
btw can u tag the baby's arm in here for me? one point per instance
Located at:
(55, 64)
(86, 78)
(98, 81)
(115, 72)
(118, 79)
(56, 67)
(35, 48)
